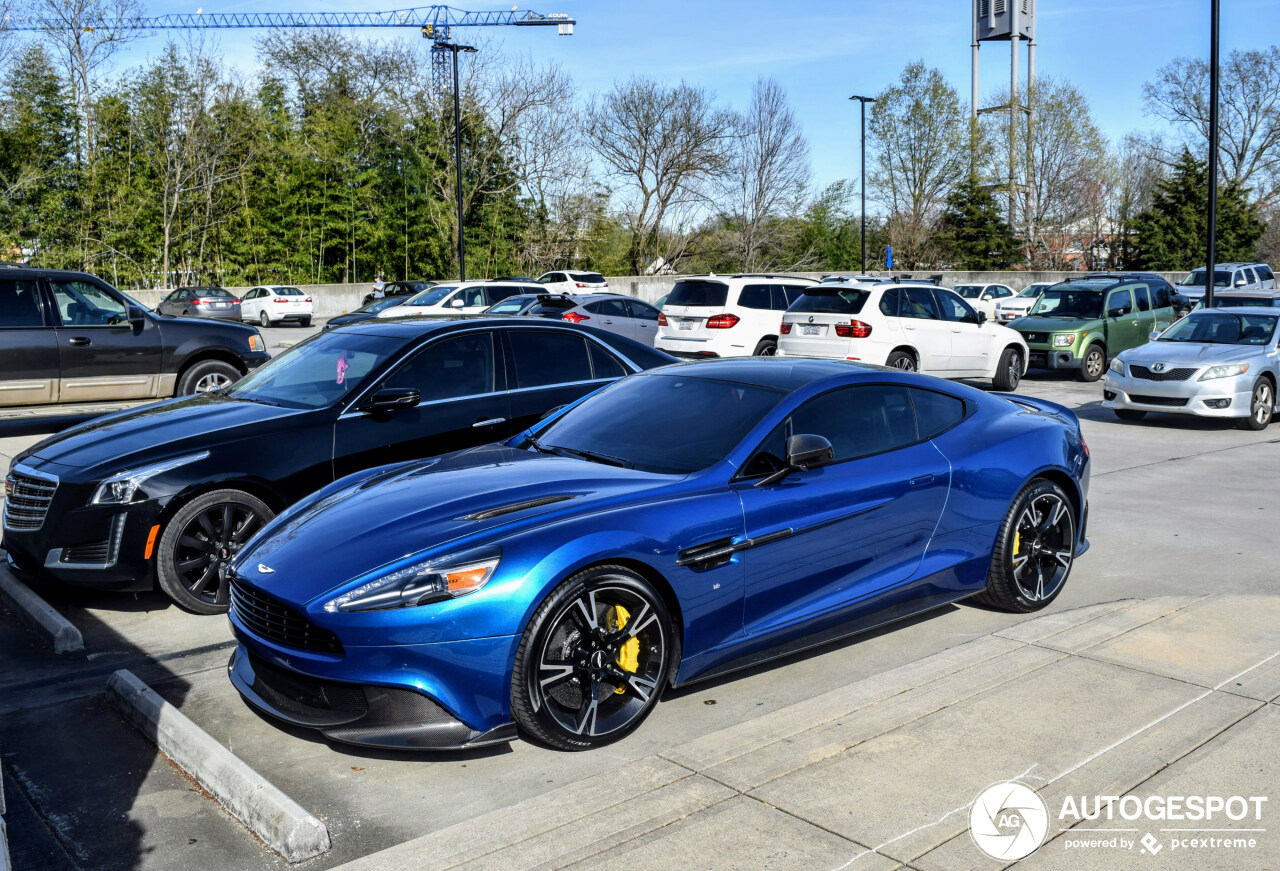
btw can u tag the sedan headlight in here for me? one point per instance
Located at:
(1117, 366)
(1063, 341)
(432, 580)
(256, 343)
(1229, 371)
(121, 487)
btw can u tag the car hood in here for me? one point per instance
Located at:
(375, 518)
(154, 432)
(1191, 353)
(1038, 324)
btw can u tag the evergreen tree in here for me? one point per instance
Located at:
(972, 233)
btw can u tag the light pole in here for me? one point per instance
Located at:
(457, 149)
(862, 111)
(1211, 266)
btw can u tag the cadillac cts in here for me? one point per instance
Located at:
(676, 525)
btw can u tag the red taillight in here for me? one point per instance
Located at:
(1084, 447)
(308, 299)
(195, 302)
(785, 329)
(662, 320)
(574, 317)
(286, 301)
(235, 302)
(580, 284)
(722, 322)
(853, 330)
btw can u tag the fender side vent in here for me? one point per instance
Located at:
(711, 555)
(516, 506)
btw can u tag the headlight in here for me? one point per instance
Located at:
(121, 488)
(1063, 341)
(1228, 371)
(1117, 366)
(256, 343)
(432, 580)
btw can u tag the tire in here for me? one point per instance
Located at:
(205, 376)
(902, 360)
(306, 322)
(767, 348)
(1044, 513)
(1094, 363)
(579, 639)
(1009, 372)
(1262, 403)
(1129, 414)
(199, 541)
(263, 319)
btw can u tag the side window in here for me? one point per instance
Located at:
(82, 304)
(1265, 273)
(936, 412)
(498, 294)
(1250, 277)
(919, 303)
(792, 292)
(642, 310)
(1160, 295)
(450, 368)
(603, 364)
(20, 304)
(610, 308)
(1120, 299)
(860, 421)
(1144, 301)
(889, 303)
(543, 357)
(473, 297)
(954, 308)
(551, 278)
(756, 296)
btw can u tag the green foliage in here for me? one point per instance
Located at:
(1173, 233)
(972, 234)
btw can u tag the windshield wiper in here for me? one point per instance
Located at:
(594, 456)
(247, 399)
(538, 446)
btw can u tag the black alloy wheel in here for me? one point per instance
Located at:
(766, 348)
(200, 541)
(594, 660)
(1009, 371)
(1034, 551)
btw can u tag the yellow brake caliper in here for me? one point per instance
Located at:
(629, 654)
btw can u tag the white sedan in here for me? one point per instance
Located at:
(458, 298)
(1018, 306)
(984, 297)
(271, 304)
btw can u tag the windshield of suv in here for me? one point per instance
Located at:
(317, 372)
(1222, 328)
(699, 293)
(827, 300)
(968, 291)
(433, 296)
(1196, 279)
(1069, 302)
(630, 422)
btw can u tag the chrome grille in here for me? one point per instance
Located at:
(276, 621)
(26, 501)
(1166, 375)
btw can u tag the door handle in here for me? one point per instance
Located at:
(80, 342)
(490, 421)
(923, 479)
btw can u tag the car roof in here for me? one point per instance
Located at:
(711, 276)
(778, 372)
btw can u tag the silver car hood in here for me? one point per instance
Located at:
(1192, 353)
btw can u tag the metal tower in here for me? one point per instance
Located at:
(1007, 21)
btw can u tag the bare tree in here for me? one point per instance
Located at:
(665, 146)
(1249, 114)
(767, 179)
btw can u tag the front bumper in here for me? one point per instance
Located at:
(1052, 358)
(1219, 397)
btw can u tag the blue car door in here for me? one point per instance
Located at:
(837, 534)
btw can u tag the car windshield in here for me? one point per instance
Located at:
(711, 294)
(1222, 328)
(434, 296)
(1069, 302)
(827, 300)
(968, 291)
(316, 373)
(1032, 290)
(630, 423)
(1221, 278)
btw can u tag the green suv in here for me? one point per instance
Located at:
(1081, 323)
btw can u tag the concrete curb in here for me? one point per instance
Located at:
(55, 629)
(266, 811)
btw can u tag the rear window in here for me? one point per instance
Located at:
(699, 294)
(287, 291)
(592, 277)
(846, 301)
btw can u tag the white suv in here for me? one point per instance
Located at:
(726, 315)
(906, 326)
(572, 281)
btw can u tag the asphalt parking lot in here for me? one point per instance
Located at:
(1179, 508)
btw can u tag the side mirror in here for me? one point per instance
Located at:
(982, 317)
(1118, 311)
(1240, 282)
(137, 317)
(806, 452)
(391, 398)
(456, 302)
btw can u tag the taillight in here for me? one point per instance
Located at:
(580, 284)
(286, 301)
(662, 319)
(574, 317)
(308, 299)
(1084, 447)
(853, 330)
(722, 322)
(195, 302)
(785, 329)
(235, 302)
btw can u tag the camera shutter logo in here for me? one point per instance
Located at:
(1008, 821)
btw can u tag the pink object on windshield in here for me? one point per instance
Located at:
(343, 366)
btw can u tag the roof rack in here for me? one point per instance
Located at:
(764, 275)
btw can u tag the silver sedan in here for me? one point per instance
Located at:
(1218, 363)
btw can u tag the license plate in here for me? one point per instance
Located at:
(686, 325)
(218, 305)
(808, 330)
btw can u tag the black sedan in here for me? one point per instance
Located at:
(169, 492)
(366, 312)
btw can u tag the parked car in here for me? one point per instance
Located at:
(536, 305)
(518, 279)
(572, 281)
(670, 528)
(726, 315)
(984, 297)
(903, 326)
(1212, 363)
(366, 312)
(1080, 324)
(273, 304)
(168, 493)
(624, 315)
(1229, 276)
(469, 297)
(71, 337)
(201, 302)
(1014, 307)
(402, 289)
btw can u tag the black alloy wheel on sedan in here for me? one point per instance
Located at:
(199, 542)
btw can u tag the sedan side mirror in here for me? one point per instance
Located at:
(137, 317)
(391, 398)
(804, 452)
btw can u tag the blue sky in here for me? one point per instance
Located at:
(822, 51)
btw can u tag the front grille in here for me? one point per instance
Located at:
(27, 501)
(1166, 375)
(1166, 401)
(308, 698)
(276, 621)
(1036, 338)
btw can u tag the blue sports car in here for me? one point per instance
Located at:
(678, 524)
